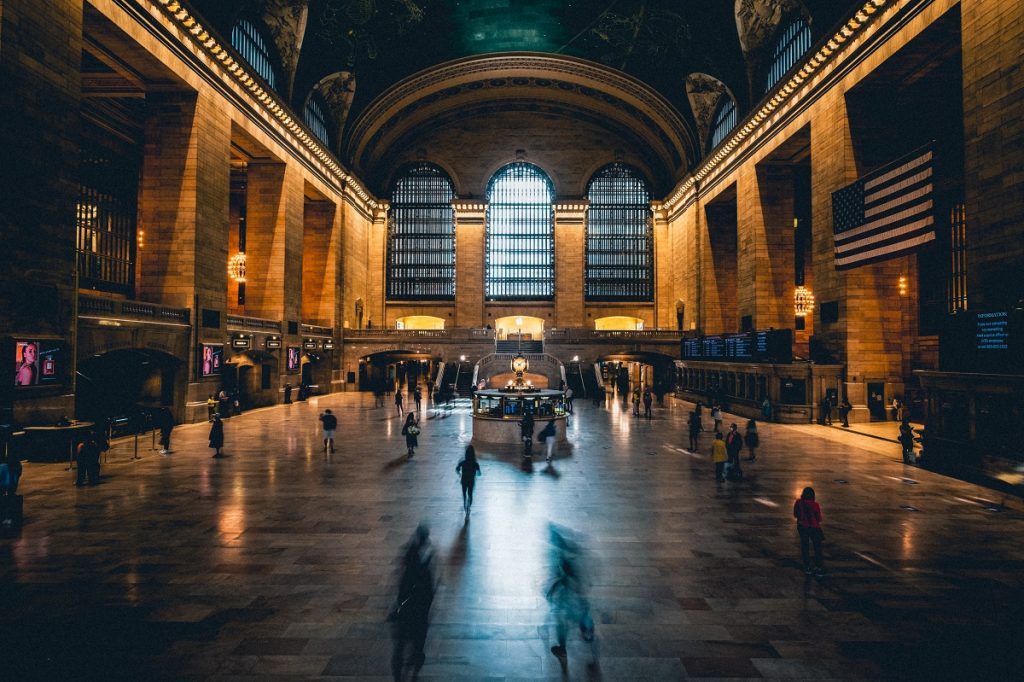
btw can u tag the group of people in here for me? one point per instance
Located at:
(647, 397)
(726, 449)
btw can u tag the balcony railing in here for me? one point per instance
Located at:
(581, 335)
(470, 334)
(316, 330)
(111, 307)
(253, 323)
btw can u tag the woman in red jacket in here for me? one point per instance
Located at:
(808, 525)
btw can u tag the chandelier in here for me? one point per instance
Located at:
(803, 301)
(236, 267)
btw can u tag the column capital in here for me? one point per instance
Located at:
(570, 211)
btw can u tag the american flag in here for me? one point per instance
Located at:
(886, 213)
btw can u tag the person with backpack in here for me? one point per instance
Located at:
(751, 440)
(648, 401)
(411, 431)
(468, 469)
(547, 436)
(808, 525)
(733, 447)
(330, 424)
(719, 456)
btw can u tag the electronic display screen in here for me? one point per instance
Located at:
(771, 345)
(38, 362)
(210, 359)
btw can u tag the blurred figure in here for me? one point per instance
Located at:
(752, 440)
(88, 461)
(410, 616)
(695, 428)
(808, 525)
(906, 440)
(719, 455)
(648, 401)
(568, 591)
(548, 435)
(411, 431)
(217, 436)
(468, 469)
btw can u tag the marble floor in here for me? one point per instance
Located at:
(278, 562)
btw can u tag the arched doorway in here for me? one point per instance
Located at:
(509, 328)
(396, 369)
(625, 371)
(618, 323)
(128, 383)
(419, 322)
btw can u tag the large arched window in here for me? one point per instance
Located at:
(620, 240)
(315, 115)
(520, 234)
(421, 236)
(724, 121)
(249, 43)
(792, 42)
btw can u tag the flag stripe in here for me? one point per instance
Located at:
(874, 182)
(886, 251)
(904, 184)
(874, 239)
(844, 237)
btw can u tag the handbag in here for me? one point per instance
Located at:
(413, 430)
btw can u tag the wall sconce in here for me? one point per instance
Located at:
(903, 285)
(803, 301)
(236, 267)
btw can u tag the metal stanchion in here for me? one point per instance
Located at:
(136, 455)
(152, 443)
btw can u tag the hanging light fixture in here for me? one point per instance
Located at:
(236, 267)
(803, 301)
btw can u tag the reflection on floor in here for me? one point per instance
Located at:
(278, 562)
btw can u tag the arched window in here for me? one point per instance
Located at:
(421, 236)
(792, 42)
(724, 121)
(315, 115)
(520, 234)
(249, 43)
(620, 239)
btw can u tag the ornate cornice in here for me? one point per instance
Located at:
(226, 64)
(761, 119)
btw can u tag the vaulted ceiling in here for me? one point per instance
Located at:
(651, 69)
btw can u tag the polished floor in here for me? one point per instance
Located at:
(278, 562)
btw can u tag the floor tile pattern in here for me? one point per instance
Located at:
(279, 562)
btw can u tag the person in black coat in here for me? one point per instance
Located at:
(468, 469)
(410, 616)
(217, 436)
(411, 431)
(695, 428)
(733, 446)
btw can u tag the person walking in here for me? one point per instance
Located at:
(211, 407)
(648, 401)
(766, 410)
(695, 428)
(716, 416)
(906, 440)
(808, 525)
(526, 433)
(751, 440)
(897, 408)
(287, 393)
(411, 431)
(844, 412)
(166, 426)
(568, 594)
(410, 614)
(217, 436)
(636, 402)
(468, 469)
(418, 396)
(826, 411)
(733, 447)
(719, 456)
(548, 436)
(330, 424)
(399, 407)
(568, 399)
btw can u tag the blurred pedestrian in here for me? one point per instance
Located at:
(752, 440)
(330, 424)
(808, 525)
(411, 431)
(719, 456)
(766, 410)
(217, 436)
(211, 407)
(568, 399)
(716, 416)
(410, 614)
(733, 447)
(636, 402)
(906, 440)
(648, 401)
(844, 412)
(695, 428)
(398, 403)
(468, 469)
(166, 426)
(88, 457)
(548, 436)
(418, 396)
(568, 592)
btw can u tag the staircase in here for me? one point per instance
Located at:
(513, 347)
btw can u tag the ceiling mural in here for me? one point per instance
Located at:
(704, 92)
(286, 23)
(338, 89)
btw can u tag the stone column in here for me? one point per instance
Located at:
(570, 261)
(470, 242)
(376, 255)
(319, 263)
(664, 273)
